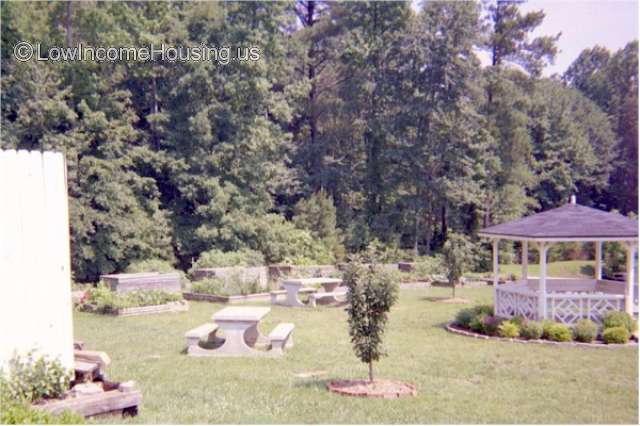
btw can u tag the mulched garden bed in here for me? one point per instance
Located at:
(375, 389)
(203, 297)
(451, 327)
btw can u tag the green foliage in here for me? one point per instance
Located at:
(518, 320)
(615, 335)
(20, 413)
(546, 328)
(483, 309)
(410, 145)
(428, 266)
(465, 316)
(531, 330)
(371, 295)
(317, 214)
(585, 331)
(232, 286)
(619, 319)
(150, 265)
(509, 329)
(31, 378)
(558, 332)
(457, 255)
(217, 258)
(103, 300)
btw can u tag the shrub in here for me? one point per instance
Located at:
(615, 335)
(508, 329)
(518, 320)
(32, 379)
(104, 300)
(491, 325)
(585, 331)
(546, 327)
(217, 258)
(233, 286)
(150, 265)
(465, 316)
(484, 309)
(477, 324)
(18, 413)
(531, 330)
(427, 266)
(559, 333)
(619, 319)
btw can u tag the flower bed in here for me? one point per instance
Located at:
(480, 321)
(103, 300)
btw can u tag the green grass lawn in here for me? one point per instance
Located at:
(459, 379)
(569, 268)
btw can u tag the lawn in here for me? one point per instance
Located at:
(459, 379)
(569, 268)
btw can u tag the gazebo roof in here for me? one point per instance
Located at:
(571, 222)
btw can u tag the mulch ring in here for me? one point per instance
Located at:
(375, 389)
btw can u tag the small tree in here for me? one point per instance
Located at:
(370, 297)
(457, 253)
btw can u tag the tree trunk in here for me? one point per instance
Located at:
(453, 290)
(371, 371)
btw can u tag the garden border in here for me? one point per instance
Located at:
(179, 306)
(214, 298)
(452, 328)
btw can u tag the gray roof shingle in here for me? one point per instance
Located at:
(571, 221)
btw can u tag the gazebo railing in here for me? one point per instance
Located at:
(516, 299)
(568, 308)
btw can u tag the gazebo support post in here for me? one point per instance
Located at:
(496, 273)
(598, 260)
(525, 261)
(628, 290)
(542, 281)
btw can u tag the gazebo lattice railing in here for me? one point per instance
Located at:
(567, 306)
(565, 300)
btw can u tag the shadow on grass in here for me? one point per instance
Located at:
(447, 300)
(319, 384)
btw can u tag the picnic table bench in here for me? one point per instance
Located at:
(293, 287)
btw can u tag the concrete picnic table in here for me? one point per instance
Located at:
(240, 327)
(293, 285)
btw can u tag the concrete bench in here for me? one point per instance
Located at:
(315, 297)
(274, 294)
(193, 336)
(281, 337)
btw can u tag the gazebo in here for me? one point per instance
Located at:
(565, 299)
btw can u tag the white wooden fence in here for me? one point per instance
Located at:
(35, 279)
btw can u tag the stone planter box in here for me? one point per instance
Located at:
(123, 283)
(201, 297)
(180, 306)
(244, 274)
(406, 266)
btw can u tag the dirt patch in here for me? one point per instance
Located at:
(307, 374)
(375, 389)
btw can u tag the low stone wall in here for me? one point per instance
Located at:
(244, 274)
(124, 283)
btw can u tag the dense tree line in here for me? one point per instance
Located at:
(360, 122)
